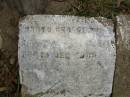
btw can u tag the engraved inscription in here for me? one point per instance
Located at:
(66, 56)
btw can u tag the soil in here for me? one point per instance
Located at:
(8, 52)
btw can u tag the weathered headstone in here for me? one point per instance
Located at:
(66, 56)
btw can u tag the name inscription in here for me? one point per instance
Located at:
(47, 29)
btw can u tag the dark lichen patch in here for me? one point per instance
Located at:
(82, 56)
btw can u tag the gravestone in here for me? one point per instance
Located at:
(66, 56)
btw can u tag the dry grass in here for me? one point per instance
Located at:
(105, 8)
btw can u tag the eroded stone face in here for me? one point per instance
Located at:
(66, 56)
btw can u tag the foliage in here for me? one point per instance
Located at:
(105, 8)
(127, 1)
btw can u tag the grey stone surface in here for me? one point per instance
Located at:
(66, 56)
(122, 74)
